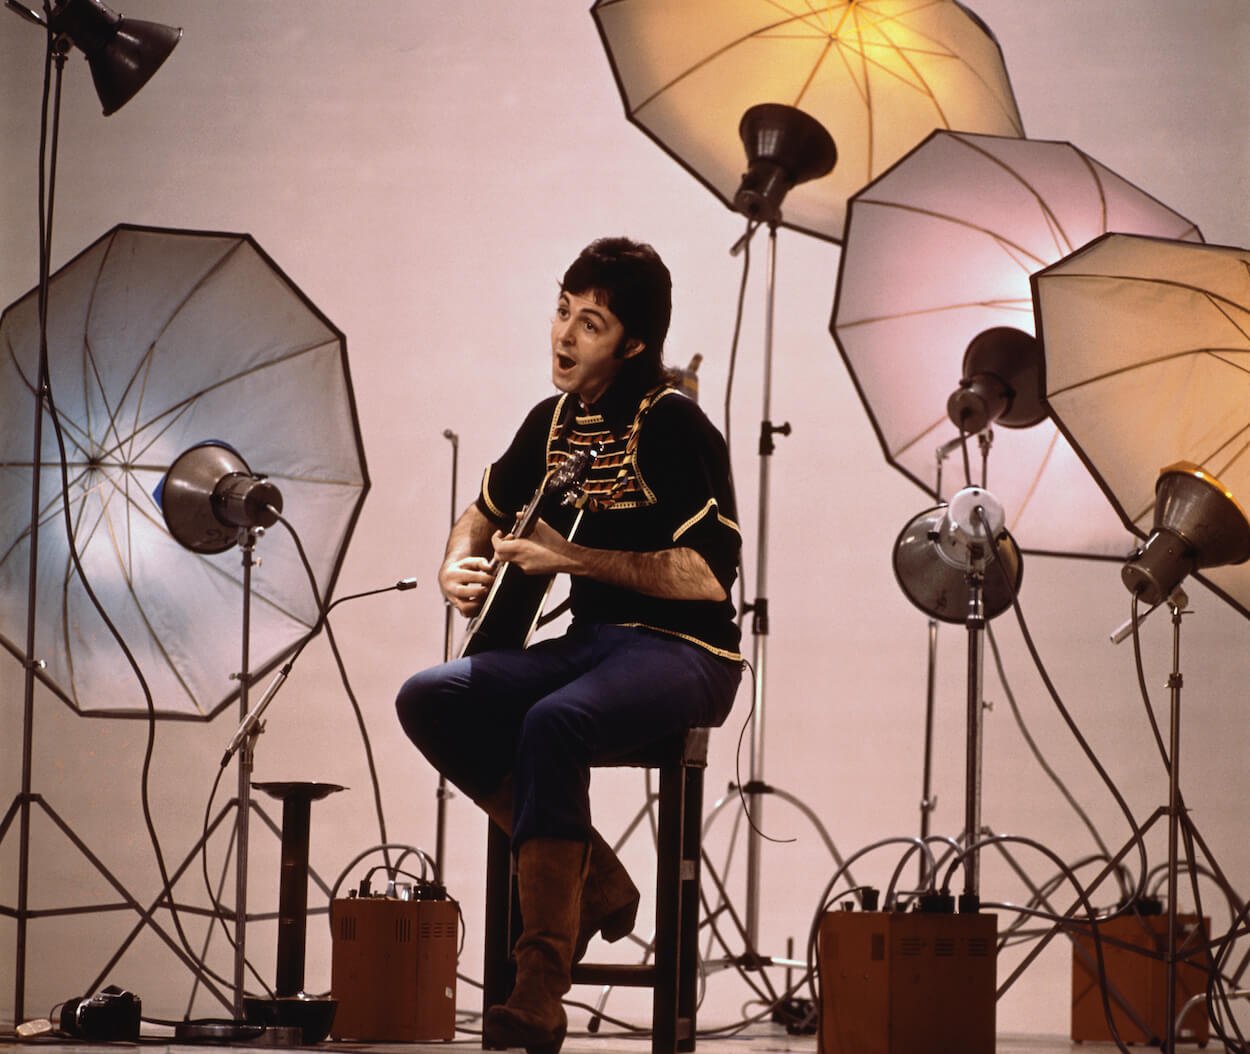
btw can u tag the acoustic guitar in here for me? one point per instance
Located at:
(515, 602)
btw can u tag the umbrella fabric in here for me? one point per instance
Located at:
(940, 249)
(880, 75)
(1147, 364)
(159, 339)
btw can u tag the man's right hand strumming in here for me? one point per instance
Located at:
(465, 583)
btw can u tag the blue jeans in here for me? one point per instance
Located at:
(549, 713)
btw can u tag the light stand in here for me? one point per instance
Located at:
(1197, 524)
(784, 146)
(1174, 821)
(211, 500)
(1000, 383)
(247, 548)
(940, 561)
(1179, 825)
(928, 801)
(123, 55)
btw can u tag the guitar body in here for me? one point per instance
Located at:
(510, 613)
(515, 602)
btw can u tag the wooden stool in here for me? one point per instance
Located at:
(672, 975)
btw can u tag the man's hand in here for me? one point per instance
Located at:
(465, 583)
(544, 552)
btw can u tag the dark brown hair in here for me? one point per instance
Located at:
(637, 288)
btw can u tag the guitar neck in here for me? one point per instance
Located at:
(523, 525)
(515, 600)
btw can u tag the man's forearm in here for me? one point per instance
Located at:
(673, 574)
(469, 536)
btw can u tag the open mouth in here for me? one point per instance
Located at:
(565, 362)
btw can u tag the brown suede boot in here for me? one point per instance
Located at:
(609, 898)
(550, 874)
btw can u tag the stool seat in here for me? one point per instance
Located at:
(680, 761)
(689, 748)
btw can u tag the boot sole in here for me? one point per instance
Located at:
(502, 1030)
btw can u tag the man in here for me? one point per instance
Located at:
(653, 646)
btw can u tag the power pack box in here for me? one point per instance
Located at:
(393, 969)
(1134, 952)
(907, 982)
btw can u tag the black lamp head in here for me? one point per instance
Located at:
(123, 53)
(1002, 381)
(784, 147)
(209, 494)
(1197, 524)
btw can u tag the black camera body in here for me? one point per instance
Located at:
(111, 1014)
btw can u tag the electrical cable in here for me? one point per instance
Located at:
(374, 781)
(1137, 839)
(826, 898)
(1216, 983)
(1035, 750)
(1194, 869)
(1082, 896)
(1139, 667)
(739, 310)
(47, 179)
(1040, 666)
(1138, 836)
(46, 193)
(1050, 885)
(219, 912)
(321, 622)
(746, 808)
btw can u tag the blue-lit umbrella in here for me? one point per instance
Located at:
(159, 339)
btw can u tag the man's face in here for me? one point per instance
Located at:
(585, 338)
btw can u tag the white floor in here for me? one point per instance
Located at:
(760, 1040)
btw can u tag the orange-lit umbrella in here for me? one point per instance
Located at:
(879, 75)
(1148, 364)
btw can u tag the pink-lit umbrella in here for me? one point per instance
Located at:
(939, 250)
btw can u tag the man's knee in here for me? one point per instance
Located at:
(420, 701)
(554, 720)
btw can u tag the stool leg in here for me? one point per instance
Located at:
(664, 1005)
(497, 968)
(688, 938)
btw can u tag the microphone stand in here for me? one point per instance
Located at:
(244, 742)
(442, 794)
